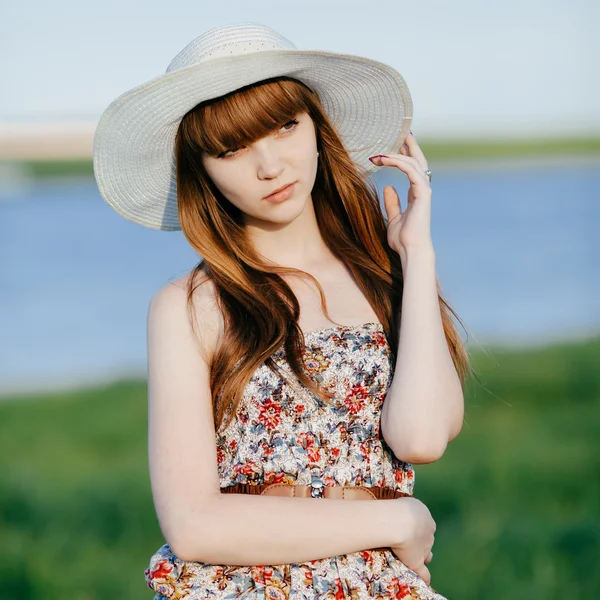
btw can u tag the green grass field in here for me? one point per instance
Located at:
(434, 151)
(515, 497)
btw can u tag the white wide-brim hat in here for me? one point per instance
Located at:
(134, 143)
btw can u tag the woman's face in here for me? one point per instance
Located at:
(247, 175)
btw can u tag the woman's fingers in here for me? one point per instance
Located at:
(391, 201)
(424, 574)
(408, 165)
(415, 151)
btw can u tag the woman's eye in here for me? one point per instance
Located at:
(286, 126)
(293, 123)
(227, 153)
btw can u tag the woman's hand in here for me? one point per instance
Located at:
(410, 228)
(417, 527)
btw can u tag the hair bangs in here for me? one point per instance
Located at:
(249, 114)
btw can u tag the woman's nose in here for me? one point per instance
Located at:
(269, 164)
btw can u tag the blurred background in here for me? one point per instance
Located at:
(507, 111)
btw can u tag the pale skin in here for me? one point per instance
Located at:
(200, 523)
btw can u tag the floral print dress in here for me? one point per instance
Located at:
(281, 436)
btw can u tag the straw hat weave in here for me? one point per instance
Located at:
(133, 152)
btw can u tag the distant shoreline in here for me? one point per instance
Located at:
(445, 155)
(77, 383)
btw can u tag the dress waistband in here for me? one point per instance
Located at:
(346, 492)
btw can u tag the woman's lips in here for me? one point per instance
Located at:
(284, 194)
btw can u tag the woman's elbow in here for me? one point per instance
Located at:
(193, 537)
(191, 548)
(419, 451)
(427, 454)
(179, 548)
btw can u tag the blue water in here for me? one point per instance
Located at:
(517, 256)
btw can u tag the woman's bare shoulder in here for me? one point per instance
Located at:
(208, 320)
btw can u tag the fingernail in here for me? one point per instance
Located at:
(377, 156)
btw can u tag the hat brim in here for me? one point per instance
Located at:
(368, 102)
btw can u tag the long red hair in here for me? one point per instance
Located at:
(260, 311)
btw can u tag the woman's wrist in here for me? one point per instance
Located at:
(397, 521)
(425, 252)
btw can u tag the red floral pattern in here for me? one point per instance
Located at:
(279, 435)
(270, 413)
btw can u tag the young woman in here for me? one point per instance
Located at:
(309, 359)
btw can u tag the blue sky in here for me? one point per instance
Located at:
(474, 68)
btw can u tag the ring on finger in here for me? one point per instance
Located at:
(428, 173)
